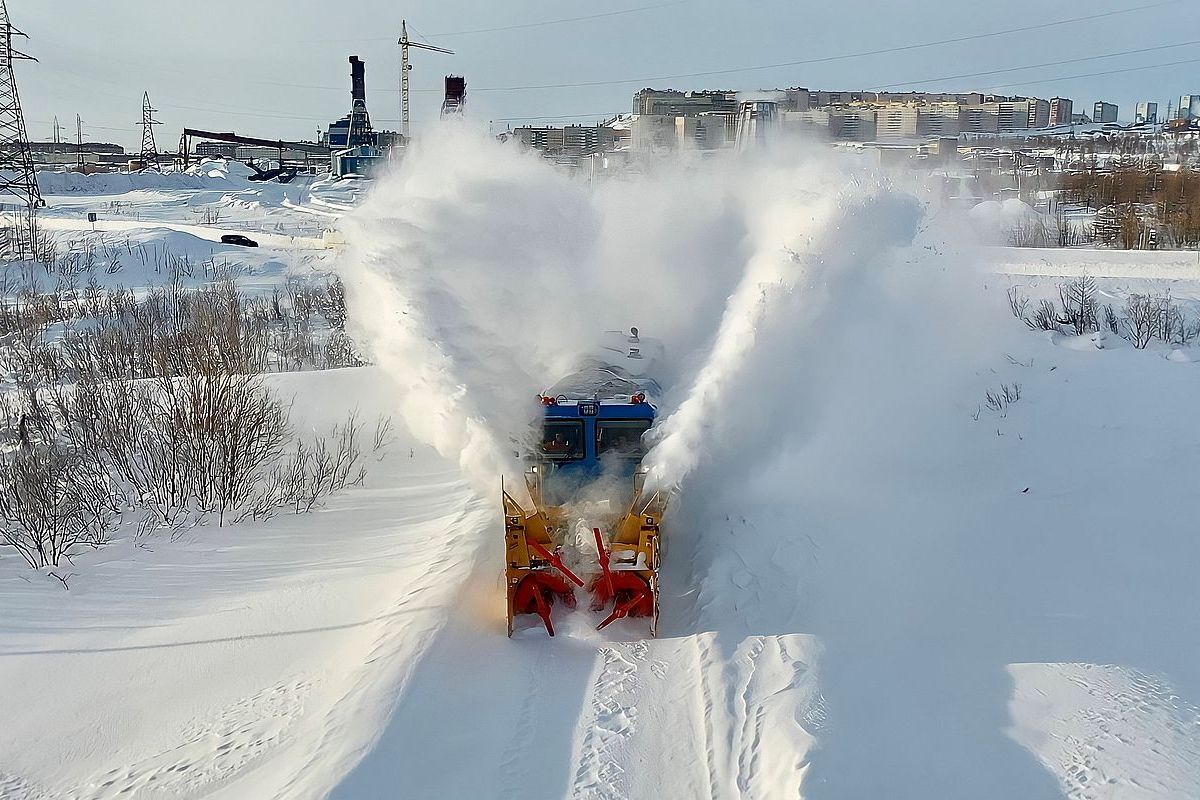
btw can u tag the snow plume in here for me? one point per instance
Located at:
(478, 275)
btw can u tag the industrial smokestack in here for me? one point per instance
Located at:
(358, 82)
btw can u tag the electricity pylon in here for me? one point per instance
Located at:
(149, 156)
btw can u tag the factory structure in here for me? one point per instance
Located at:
(356, 148)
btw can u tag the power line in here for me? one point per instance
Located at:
(258, 112)
(565, 20)
(776, 65)
(601, 115)
(1099, 74)
(1034, 66)
(516, 26)
(842, 57)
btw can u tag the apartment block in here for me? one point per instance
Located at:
(1061, 111)
(670, 103)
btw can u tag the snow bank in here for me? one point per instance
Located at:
(994, 220)
(210, 174)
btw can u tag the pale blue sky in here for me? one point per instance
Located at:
(279, 69)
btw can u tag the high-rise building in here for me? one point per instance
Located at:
(1104, 112)
(1146, 112)
(670, 103)
(1061, 110)
(1039, 113)
(1189, 107)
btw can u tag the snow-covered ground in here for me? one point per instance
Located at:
(875, 584)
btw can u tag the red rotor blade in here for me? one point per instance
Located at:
(622, 610)
(543, 610)
(603, 555)
(555, 560)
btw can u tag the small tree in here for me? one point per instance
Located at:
(1078, 298)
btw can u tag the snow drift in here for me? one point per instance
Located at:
(209, 174)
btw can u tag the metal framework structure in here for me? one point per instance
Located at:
(149, 155)
(185, 144)
(405, 68)
(17, 177)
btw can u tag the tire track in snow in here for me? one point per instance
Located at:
(751, 720)
(612, 721)
(1108, 731)
(776, 697)
(704, 664)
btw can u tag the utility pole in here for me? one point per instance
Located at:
(405, 43)
(17, 177)
(79, 139)
(149, 156)
(57, 133)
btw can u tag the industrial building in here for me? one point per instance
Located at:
(1146, 113)
(354, 129)
(358, 149)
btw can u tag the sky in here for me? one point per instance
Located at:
(278, 68)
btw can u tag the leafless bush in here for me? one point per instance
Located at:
(1111, 320)
(1046, 317)
(998, 400)
(53, 500)
(1030, 232)
(1018, 303)
(233, 430)
(383, 438)
(1141, 319)
(315, 470)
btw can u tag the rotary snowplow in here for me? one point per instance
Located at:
(589, 522)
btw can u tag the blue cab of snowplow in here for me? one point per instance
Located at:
(591, 435)
(583, 440)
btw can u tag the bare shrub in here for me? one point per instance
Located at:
(1046, 317)
(233, 429)
(1141, 319)
(998, 400)
(1110, 319)
(1030, 232)
(383, 437)
(1018, 303)
(53, 500)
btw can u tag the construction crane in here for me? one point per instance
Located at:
(405, 43)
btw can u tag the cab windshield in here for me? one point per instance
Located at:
(621, 437)
(562, 441)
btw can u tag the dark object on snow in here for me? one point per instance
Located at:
(281, 174)
(238, 239)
